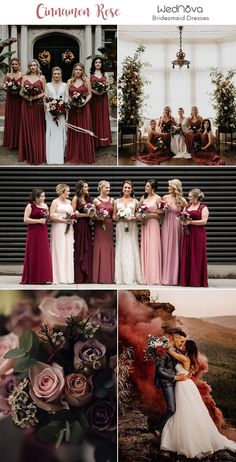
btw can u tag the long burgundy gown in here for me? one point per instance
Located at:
(103, 250)
(155, 157)
(37, 262)
(12, 119)
(100, 115)
(193, 134)
(208, 156)
(83, 250)
(32, 144)
(193, 262)
(80, 146)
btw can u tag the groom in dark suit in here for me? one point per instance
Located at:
(165, 376)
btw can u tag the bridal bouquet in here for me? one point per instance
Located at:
(183, 217)
(12, 86)
(125, 214)
(103, 213)
(78, 100)
(60, 380)
(156, 347)
(176, 130)
(56, 107)
(99, 87)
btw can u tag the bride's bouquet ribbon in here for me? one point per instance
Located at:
(85, 131)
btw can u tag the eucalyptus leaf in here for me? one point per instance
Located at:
(23, 364)
(50, 433)
(82, 419)
(34, 351)
(63, 415)
(14, 353)
(26, 341)
(76, 433)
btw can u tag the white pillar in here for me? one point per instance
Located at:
(88, 47)
(24, 48)
(98, 38)
(4, 32)
(14, 46)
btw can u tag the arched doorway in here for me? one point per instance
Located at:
(49, 51)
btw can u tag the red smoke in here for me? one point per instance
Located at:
(135, 324)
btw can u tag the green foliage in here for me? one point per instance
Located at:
(224, 98)
(25, 355)
(131, 90)
(4, 67)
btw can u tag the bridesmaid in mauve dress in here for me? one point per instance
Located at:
(151, 235)
(99, 103)
(193, 263)
(62, 237)
(83, 250)
(12, 85)
(103, 250)
(37, 262)
(80, 146)
(171, 233)
(32, 144)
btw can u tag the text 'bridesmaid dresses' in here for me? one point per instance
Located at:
(103, 250)
(37, 262)
(100, 115)
(12, 120)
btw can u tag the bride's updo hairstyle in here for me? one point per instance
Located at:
(197, 194)
(192, 352)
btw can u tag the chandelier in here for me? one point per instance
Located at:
(180, 61)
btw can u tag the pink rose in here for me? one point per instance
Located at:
(56, 310)
(83, 351)
(46, 386)
(23, 318)
(78, 389)
(7, 342)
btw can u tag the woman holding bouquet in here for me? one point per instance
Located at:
(193, 261)
(178, 131)
(62, 236)
(99, 103)
(150, 234)
(194, 124)
(80, 143)
(103, 249)
(156, 147)
(171, 233)
(127, 254)
(207, 152)
(56, 96)
(37, 263)
(12, 85)
(83, 251)
(32, 146)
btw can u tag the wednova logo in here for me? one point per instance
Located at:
(179, 9)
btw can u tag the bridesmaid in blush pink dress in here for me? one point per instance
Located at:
(171, 233)
(151, 235)
(80, 145)
(32, 143)
(103, 248)
(12, 85)
(62, 237)
(37, 262)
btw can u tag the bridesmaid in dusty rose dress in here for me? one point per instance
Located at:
(151, 235)
(12, 85)
(83, 255)
(37, 262)
(99, 103)
(62, 238)
(193, 264)
(103, 249)
(171, 233)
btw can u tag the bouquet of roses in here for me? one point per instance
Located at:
(183, 217)
(156, 347)
(78, 100)
(143, 210)
(71, 217)
(56, 107)
(103, 213)
(125, 214)
(12, 86)
(193, 129)
(176, 130)
(197, 146)
(159, 143)
(99, 87)
(59, 379)
(162, 205)
(31, 91)
(89, 208)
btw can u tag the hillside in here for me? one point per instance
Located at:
(224, 321)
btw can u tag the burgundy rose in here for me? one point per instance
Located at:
(102, 416)
(78, 389)
(7, 386)
(56, 310)
(46, 386)
(106, 318)
(89, 351)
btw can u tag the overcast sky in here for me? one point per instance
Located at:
(200, 303)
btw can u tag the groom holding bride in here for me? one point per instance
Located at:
(186, 428)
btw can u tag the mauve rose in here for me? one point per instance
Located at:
(7, 342)
(78, 389)
(22, 318)
(46, 386)
(56, 310)
(83, 351)
(7, 386)
(102, 416)
(106, 319)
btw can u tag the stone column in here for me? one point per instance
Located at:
(24, 48)
(14, 46)
(88, 47)
(4, 32)
(98, 38)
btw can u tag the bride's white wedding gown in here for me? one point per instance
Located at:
(191, 431)
(55, 134)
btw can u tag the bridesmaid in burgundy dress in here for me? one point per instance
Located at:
(83, 251)
(157, 151)
(165, 123)
(207, 153)
(12, 85)
(193, 262)
(37, 263)
(103, 250)
(32, 144)
(194, 124)
(99, 103)
(80, 145)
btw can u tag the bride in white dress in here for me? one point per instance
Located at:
(127, 252)
(56, 134)
(178, 144)
(191, 431)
